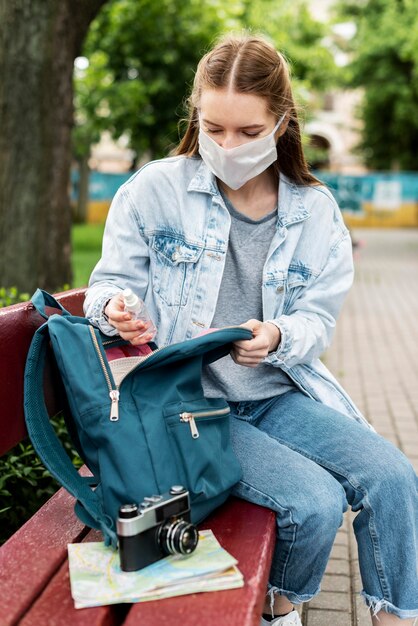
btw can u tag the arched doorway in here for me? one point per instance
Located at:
(318, 152)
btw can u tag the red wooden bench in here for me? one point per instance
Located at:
(34, 583)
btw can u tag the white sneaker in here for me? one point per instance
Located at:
(291, 619)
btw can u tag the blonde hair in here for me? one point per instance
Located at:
(250, 64)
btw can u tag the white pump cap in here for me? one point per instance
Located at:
(130, 299)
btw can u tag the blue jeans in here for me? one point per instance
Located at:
(308, 462)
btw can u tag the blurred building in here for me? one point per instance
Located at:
(112, 156)
(334, 132)
(335, 129)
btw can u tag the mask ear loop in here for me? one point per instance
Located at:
(199, 121)
(279, 123)
(196, 116)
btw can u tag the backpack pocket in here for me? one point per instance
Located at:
(199, 431)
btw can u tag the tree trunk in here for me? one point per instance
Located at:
(39, 40)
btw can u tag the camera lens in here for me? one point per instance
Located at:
(178, 537)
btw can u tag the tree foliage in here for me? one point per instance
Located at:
(385, 64)
(142, 56)
(299, 36)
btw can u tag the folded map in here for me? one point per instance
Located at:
(96, 578)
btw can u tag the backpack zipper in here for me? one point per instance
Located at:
(110, 341)
(113, 393)
(190, 418)
(114, 407)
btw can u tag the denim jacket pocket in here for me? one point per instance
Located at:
(173, 262)
(297, 279)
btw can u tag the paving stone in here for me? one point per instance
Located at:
(338, 566)
(408, 430)
(402, 415)
(339, 551)
(356, 581)
(410, 449)
(362, 612)
(328, 618)
(331, 600)
(332, 582)
(341, 539)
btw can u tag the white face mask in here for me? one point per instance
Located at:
(238, 165)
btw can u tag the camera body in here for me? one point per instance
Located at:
(158, 526)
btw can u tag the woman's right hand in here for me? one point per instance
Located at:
(129, 329)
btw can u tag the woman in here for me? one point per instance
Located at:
(235, 230)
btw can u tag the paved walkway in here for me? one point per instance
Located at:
(375, 356)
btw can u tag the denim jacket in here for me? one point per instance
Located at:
(166, 238)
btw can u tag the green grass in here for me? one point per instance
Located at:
(87, 248)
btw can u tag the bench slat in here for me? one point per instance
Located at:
(55, 605)
(32, 555)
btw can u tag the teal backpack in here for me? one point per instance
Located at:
(140, 423)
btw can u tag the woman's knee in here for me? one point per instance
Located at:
(388, 481)
(392, 471)
(400, 486)
(320, 508)
(327, 513)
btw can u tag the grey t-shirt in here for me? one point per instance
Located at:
(240, 299)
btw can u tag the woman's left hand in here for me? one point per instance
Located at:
(250, 352)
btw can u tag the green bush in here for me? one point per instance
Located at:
(25, 484)
(11, 296)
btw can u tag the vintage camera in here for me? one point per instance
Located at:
(158, 526)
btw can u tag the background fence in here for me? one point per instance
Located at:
(375, 199)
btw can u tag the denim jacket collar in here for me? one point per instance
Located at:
(291, 206)
(203, 180)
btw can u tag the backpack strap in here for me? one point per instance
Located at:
(41, 299)
(49, 447)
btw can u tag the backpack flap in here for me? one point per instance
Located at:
(213, 345)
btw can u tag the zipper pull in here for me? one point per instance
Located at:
(189, 417)
(114, 409)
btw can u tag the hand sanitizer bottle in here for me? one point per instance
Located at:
(138, 310)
